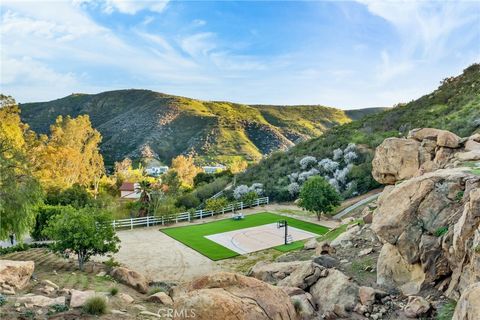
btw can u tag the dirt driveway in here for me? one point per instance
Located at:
(159, 257)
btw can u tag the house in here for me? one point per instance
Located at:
(214, 169)
(156, 171)
(130, 190)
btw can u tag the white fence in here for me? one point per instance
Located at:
(185, 216)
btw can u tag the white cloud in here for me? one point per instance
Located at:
(134, 6)
(200, 44)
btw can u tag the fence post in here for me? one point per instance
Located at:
(241, 205)
(201, 214)
(223, 210)
(268, 199)
(131, 223)
(176, 219)
(148, 221)
(163, 223)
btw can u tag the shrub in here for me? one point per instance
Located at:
(441, 231)
(187, 201)
(297, 304)
(57, 308)
(111, 263)
(22, 247)
(459, 196)
(155, 289)
(216, 205)
(113, 291)
(44, 213)
(95, 306)
(446, 311)
(3, 299)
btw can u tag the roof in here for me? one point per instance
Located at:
(127, 186)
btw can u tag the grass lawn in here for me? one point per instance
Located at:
(194, 236)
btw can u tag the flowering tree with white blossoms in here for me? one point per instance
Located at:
(308, 162)
(240, 191)
(293, 188)
(337, 154)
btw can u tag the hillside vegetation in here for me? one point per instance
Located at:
(454, 106)
(136, 121)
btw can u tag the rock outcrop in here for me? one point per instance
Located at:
(131, 278)
(15, 274)
(232, 296)
(430, 222)
(468, 306)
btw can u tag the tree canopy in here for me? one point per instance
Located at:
(85, 232)
(318, 196)
(19, 191)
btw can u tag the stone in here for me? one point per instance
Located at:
(472, 145)
(416, 307)
(344, 240)
(126, 298)
(101, 274)
(78, 298)
(368, 217)
(448, 139)
(302, 277)
(47, 290)
(421, 134)
(150, 314)
(16, 273)
(229, 296)
(324, 247)
(326, 261)
(366, 295)
(394, 272)
(310, 244)
(468, 156)
(119, 312)
(292, 291)
(304, 305)
(49, 283)
(468, 306)
(130, 278)
(365, 252)
(396, 159)
(345, 291)
(40, 301)
(161, 297)
(274, 272)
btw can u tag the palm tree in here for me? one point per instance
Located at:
(144, 187)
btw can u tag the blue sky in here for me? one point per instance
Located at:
(337, 53)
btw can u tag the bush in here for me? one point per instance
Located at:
(187, 201)
(3, 299)
(57, 308)
(95, 306)
(22, 247)
(446, 311)
(202, 178)
(44, 213)
(113, 291)
(111, 263)
(75, 196)
(441, 231)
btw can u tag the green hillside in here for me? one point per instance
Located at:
(131, 120)
(454, 106)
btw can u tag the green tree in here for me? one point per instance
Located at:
(216, 205)
(318, 196)
(19, 190)
(144, 187)
(85, 232)
(249, 197)
(70, 155)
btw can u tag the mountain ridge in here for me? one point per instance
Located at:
(134, 120)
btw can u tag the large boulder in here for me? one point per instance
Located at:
(335, 293)
(16, 274)
(228, 296)
(274, 272)
(344, 240)
(468, 306)
(416, 307)
(131, 278)
(443, 138)
(161, 297)
(303, 277)
(396, 159)
(393, 271)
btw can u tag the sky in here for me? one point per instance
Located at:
(345, 54)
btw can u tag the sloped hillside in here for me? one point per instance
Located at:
(454, 106)
(130, 120)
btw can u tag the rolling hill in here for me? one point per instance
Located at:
(134, 121)
(454, 106)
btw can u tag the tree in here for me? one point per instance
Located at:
(69, 155)
(318, 196)
(216, 205)
(85, 232)
(171, 182)
(144, 188)
(19, 190)
(186, 169)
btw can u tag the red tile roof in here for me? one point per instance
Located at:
(127, 186)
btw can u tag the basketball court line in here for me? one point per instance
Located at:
(258, 238)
